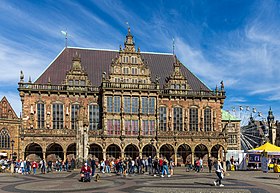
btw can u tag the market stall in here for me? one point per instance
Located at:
(271, 151)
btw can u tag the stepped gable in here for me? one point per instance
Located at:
(6, 110)
(95, 62)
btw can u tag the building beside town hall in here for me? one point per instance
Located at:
(9, 130)
(123, 103)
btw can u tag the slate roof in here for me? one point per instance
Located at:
(95, 62)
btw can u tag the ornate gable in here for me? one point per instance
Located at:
(76, 76)
(129, 67)
(177, 81)
(6, 110)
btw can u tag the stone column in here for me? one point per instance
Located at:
(44, 155)
(104, 155)
(64, 154)
(175, 157)
(122, 154)
(140, 154)
(224, 159)
(157, 153)
(192, 157)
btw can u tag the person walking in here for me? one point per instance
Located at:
(219, 171)
(165, 168)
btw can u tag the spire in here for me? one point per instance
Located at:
(270, 117)
(129, 43)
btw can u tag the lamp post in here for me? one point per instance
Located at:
(12, 143)
(152, 144)
(12, 161)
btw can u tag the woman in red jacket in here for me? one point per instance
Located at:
(85, 173)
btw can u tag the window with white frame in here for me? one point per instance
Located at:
(74, 115)
(58, 115)
(193, 119)
(40, 115)
(162, 118)
(93, 117)
(178, 119)
(207, 119)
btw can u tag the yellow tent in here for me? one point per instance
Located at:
(267, 147)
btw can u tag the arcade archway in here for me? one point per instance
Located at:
(54, 152)
(201, 151)
(217, 151)
(113, 151)
(167, 151)
(149, 150)
(96, 151)
(131, 151)
(184, 154)
(71, 151)
(34, 150)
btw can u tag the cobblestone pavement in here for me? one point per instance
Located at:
(181, 182)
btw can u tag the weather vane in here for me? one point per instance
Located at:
(173, 44)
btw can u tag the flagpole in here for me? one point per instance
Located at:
(65, 33)
(173, 46)
(66, 40)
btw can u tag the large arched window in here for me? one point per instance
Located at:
(193, 119)
(177, 119)
(207, 119)
(4, 139)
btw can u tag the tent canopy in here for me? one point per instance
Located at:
(267, 147)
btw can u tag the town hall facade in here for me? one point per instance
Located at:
(124, 103)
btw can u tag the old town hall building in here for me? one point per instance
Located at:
(125, 103)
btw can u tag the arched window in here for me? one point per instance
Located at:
(207, 119)
(177, 119)
(193, 119)
(4, 139)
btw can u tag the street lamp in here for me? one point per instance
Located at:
(12, 142)
(152, 143)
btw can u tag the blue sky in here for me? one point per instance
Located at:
(231, 40)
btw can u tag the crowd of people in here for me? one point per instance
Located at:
(123, 167)
(26, 166)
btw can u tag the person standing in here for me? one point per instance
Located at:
(43, 166)
(210, 163)
(93, 166)
(219, 171)
(34, 167)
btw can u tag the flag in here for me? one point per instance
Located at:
(64, 33)
(254, 110)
